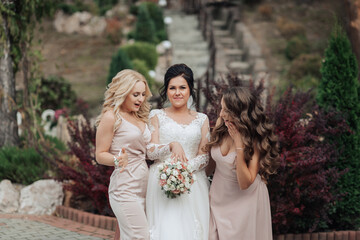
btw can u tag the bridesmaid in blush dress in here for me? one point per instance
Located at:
(244, 149)
(122, 126)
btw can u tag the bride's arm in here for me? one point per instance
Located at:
(202, 158)
(155, 150)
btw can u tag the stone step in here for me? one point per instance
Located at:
(259, 65)
(234, 54)
(240, 67)
(227, 42)
(181, 46)
(221, 33)
(218, 23)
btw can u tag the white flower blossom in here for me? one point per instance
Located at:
(163, 176)
(175, 172)
(178, 165)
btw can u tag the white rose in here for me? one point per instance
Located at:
(172, 187)
(182, 189)
(187, 185)
(168, 171)
(185, 174)
(166, 188)
(160, 167)
(168, 181)
(175, 172)
(187, 179)
(173, 178)
(178, 165)
(163, 176)
(181, 185)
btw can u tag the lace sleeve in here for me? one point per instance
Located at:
(199, 162)
(154, 150)
(202, 158)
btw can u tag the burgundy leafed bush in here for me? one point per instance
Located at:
(88, 179)
(303, 191)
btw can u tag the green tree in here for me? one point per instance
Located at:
(18, 19)
(119, 61)
(339, 89)
(157, 15)
(145, 28)
(143, 51)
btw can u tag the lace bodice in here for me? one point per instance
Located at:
(188, 135)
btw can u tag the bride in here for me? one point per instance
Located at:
(178, 133)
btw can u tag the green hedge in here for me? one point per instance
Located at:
(140, 66)
(23, 166)
(143, 51)
(120, 61)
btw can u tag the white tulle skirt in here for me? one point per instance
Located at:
(182, 218)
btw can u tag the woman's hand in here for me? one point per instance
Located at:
(235, 135)
(123, 159)
(178, 153)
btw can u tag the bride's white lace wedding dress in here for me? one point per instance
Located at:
(185, 217)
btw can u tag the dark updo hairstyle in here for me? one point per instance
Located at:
(175, 71)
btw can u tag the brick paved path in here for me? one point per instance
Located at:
(30, 227)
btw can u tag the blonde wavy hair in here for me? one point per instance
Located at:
(248, 115)
(117, 91)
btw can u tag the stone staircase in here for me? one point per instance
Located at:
(213, 45)
(188, 44)
(236, 49)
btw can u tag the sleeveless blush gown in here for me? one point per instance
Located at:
(127, 189)
(237, 214)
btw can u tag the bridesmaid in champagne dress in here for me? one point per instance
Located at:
(122, 126)
(244, 149)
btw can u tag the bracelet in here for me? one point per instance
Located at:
(239, 148)
(116, 162)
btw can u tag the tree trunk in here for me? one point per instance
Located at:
(353, 28)
(8, 123)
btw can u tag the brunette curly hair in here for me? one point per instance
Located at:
(248, 116)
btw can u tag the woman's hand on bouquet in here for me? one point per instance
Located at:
(178, 153)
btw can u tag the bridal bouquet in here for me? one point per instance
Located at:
(175, 178)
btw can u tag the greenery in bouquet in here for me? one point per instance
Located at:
(175, 178)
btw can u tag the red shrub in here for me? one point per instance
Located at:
(88, 179)
(303, 191)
